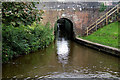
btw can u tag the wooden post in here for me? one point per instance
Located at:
(87, 31)
(118, 11)
(106, 18)
(118, 8)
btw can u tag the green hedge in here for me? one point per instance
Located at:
(24, 39)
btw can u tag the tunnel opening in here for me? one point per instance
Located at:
(64, 28)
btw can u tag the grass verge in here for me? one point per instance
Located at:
(108, 35)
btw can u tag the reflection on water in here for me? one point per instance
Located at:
(62, 51)
(62, 47)
(63, 59)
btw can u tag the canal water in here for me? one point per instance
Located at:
(63, 59)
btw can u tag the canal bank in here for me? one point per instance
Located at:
(99, 47)
(105, 39)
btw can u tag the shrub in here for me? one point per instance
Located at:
(25, 39)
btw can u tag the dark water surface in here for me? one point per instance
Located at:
(62, 59)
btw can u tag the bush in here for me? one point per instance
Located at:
(25, 39)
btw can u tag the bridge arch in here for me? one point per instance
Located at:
(66, 25)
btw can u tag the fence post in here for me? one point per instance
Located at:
(106, 18)
(118, 8)
(118, 11)
(87, 31)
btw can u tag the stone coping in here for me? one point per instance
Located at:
(100, 47)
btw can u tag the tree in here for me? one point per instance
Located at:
(17, 13)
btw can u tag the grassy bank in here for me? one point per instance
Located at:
(108, 35)
(24, 39)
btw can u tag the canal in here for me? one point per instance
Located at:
(64, 58)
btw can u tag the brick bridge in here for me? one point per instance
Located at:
(80, 17)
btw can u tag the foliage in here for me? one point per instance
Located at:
(17, 13)
(25, 39)
(108, 35)
(21, 32)
(55, 27)
(102, 7)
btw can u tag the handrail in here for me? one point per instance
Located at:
(96, 24)
(112, 12)
(105, 16)
(112, 9)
